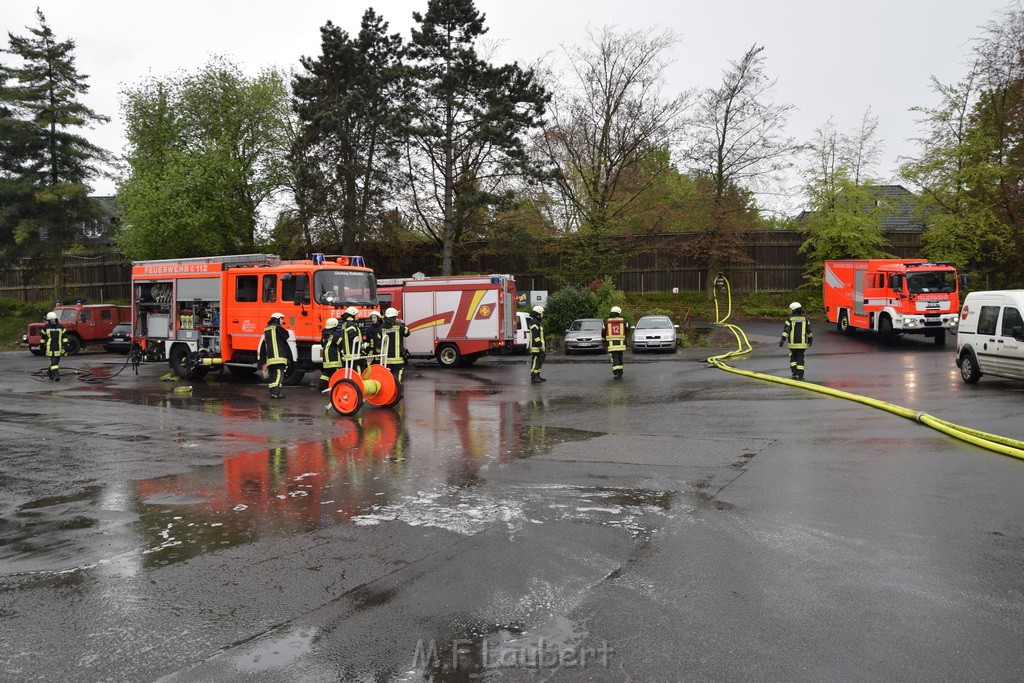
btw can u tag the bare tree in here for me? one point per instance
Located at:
(738, 142)
(610, 130)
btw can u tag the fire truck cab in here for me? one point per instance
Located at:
(197, 313)
(892, 297)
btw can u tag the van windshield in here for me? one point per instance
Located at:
(930, 282)
(345, 287)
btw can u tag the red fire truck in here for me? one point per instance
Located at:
(200, 312)
(892, 297)
(86, 324)
(454, 319)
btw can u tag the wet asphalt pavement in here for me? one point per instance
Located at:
(683, 524)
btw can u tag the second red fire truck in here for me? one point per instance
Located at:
(892, 297)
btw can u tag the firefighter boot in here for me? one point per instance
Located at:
(535, 379)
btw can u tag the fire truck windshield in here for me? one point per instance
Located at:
(345, 287)
(930, 282)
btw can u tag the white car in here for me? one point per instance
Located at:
(990, 340)
(654, 333)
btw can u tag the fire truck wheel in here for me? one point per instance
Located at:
(969, 371)
(885, 331)
(346, 397)
(182, 367)
(74, 344)
(940, 338)
(844, 324)
(293, 375)
(449, 356)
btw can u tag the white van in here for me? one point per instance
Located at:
(990, 340)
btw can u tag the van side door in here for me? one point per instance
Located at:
(985, 347)
(1010, 349)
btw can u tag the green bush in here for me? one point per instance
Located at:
(565, 305)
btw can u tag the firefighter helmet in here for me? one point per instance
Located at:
(539, 310)
(277, 316)
(795, 305)
(391, 313)
(352, 311)
(331, 323)
(374, 314)
(616, 310)
(52, 315)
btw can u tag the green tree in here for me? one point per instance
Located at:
(471, 119)
(609, 138)
(738, 142)
(206, 155)
(971, 168)
(47, 163)
(351, 102)
(844, 215)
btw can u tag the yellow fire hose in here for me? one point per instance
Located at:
(992, 442)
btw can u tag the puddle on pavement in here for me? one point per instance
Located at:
(421, 464)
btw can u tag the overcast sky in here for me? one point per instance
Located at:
(830, 58)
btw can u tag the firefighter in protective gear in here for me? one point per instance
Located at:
(537, 354)
(54, 340)
(395, 332)
(372, 336)
(275, 353)
(615, 330)
(352, 340)
(798, 333)
(330, 340)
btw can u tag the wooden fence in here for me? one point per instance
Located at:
(775, 264)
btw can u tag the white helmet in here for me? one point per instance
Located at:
(331, 323)
(391, 313)
(352, 311)
(52, 315)
(539, 310)
(616, 309)
(374, 314)
(795, 305)
(277, 316)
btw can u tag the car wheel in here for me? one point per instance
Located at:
(969, 371)
(36, 352)
(568, 351)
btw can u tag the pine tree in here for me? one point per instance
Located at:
(468, 137)
(47, 165)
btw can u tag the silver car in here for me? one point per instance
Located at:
(584, 334)
(654, 333)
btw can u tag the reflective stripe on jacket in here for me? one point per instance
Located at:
(52, 339)
(332, 349)
(615, 333)
(275, 345)
(797, 332)
(396, 347)
(536, 335)
(352, 340)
